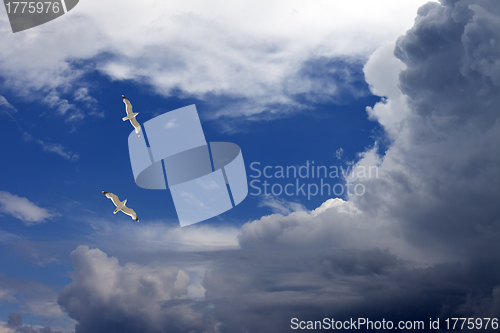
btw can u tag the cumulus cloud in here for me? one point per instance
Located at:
(192, 248)
(23, 209)
(440, 175)
(108, 297)
(260, 61)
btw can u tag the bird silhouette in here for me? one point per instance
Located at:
(131, 116)
(120, 205)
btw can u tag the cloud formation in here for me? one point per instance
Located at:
(107, 297)
(440, 176)
(153, 237)
(35, 298)
(422, 242)
(23, 209)
(14, 324)
(279, 205)
(55, 148)
(259, 60)
(6, 108)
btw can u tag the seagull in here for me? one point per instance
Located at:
(131, 116)
(120, 205)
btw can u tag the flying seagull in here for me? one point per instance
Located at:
(120, 205)
(131, 116)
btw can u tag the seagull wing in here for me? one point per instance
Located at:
(130, 212)
(136, 125)
(113, 197)
(128, 105)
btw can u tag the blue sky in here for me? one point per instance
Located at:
(409, 88)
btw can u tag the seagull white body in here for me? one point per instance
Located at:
(120, 205)
(131, 116)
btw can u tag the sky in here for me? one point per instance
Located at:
(407, 89)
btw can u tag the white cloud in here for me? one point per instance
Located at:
(5, 329)
(30, 297)
(6, 295)
(54, 101)
(168, 243)
(6, 107)
(82, 94)
(171, 124)
(6, 237)
(23, 209)
(336, 223)
(338, 153)
(58, 149)
(154, 237)
(52, 147)
(367, 166)
(279, 205)
(382, 74)
(252, 51)
(43, 262)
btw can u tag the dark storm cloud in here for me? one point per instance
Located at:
(15, 322)
(265, 286)
(107, 297)
(423, 242)
(444, 183)
(452, 55)
(438, 193)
